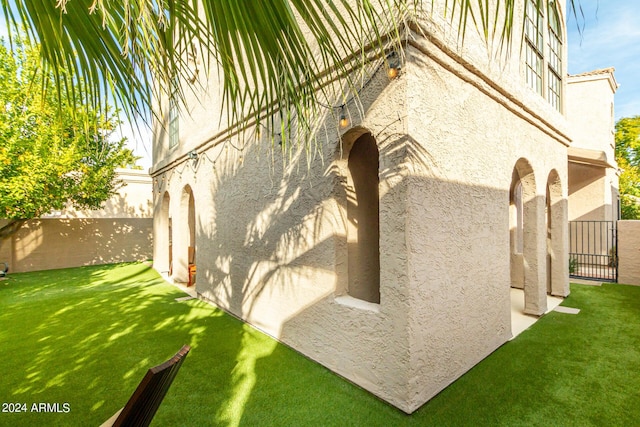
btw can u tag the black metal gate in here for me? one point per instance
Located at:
(593, 252)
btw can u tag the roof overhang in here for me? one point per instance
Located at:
(588, 157)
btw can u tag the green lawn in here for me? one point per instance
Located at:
(86, 336)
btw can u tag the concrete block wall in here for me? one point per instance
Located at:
(629, 252)
(43, 244)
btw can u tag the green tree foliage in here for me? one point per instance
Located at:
(53, 152)
(628, 158)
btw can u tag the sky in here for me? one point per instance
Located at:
(605, 34)
(609, 37)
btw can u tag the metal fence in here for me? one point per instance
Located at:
(593, 252)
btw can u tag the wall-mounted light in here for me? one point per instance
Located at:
(393, 65)
(193, 155)
(344, 120)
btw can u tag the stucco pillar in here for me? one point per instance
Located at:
(559, 248)
(629, 252)
(181, 239)
(535, 256)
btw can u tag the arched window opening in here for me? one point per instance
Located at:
(363, 210)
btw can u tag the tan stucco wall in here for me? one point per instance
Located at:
(44, 244)
(133, 199)
(593, 189)
(590, 111)
(588, 186)
(629, 252)
(271, 238)
(121, 231)
(466, 147)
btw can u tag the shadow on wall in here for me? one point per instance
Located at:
(43, 244)
(118, 206)
(275, 247)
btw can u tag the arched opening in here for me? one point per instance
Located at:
(557, 243)
(527, 241)
(166, 225)
(162, 236)
(363, 234)
(184, 239)
(516, 233)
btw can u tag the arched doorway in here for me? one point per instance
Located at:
(528, 255)
(557, 232)
(363, 213)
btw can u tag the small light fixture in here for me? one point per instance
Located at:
(393, 65)
(344, 120)
(193, 155)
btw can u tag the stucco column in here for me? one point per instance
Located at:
(535, 256)
(559, 250)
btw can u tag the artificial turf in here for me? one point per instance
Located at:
(84, 337)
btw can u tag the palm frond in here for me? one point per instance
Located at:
(272, 54)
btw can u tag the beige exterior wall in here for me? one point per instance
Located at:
(590, 110)
(272, 235)
(121, 231)
(44, 244)
(589, 191)
(132, 200)
(629, 252)
(593, 174)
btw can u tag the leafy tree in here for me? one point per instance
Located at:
(53, 152)
(628, 158)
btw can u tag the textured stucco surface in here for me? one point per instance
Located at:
(272, 233)
(593, 188)
(121, 231)
(48, 243)
(590, 100)
(629, 252)
(588, 190)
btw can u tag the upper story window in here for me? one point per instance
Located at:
(555, 57)
(544, 68)
(174, 130)
(534, 45)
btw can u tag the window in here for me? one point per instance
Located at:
(555, 57)
(534, 45)
(174, 131)
(544, 69)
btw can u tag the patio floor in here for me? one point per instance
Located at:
(521, 321)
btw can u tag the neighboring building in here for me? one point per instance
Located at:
(119, 232)
(594, 203)
(593, 171)
(390, 258)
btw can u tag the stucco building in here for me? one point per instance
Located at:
(593, 171)
(387, 252)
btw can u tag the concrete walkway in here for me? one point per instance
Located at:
(189, 290)
(521, 321)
